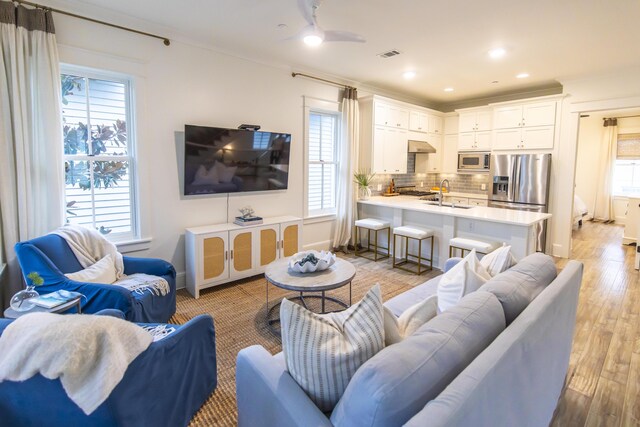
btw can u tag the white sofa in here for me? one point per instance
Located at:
(498, 358)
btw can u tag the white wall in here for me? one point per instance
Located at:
(184, 84)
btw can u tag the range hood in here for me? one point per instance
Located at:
(420, 147)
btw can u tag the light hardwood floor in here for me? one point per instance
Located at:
(603, 383)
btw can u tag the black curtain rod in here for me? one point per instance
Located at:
(165, 40)
(623, 117)
(322, 80)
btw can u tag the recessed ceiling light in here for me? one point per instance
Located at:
(448, 89)
(408, 75)
(282, 26)
(495, 82)
(497, 53)
(522, 76)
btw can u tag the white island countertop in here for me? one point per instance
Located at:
(480, 213)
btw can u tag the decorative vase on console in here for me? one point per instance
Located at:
(363, 179)
(21, 300)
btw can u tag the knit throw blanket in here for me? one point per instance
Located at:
(89, 246)
(140, 282)
(89, 354)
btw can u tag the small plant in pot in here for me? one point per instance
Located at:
(364, 180)
(21, 300)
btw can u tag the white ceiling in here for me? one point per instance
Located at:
(445, 42)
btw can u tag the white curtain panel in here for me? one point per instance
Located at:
(603, 205)
(31, 170)
(346, 196)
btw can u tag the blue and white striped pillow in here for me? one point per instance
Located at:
(323, 351)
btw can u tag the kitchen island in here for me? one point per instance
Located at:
(515, 228)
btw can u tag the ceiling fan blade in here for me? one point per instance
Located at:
(343, 36)
(306, 9)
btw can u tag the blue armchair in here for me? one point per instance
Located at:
(164, 386)
(52, 258)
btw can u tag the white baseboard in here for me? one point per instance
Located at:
(324, 245)
(181, 280)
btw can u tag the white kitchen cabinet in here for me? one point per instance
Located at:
(435, 124)
(421, 121)
(450, 154)
(389, 148)
(418, 121)
(475, 120)
(390, 115)
(222, 253)
(522, 115)
(474, 141)
(452, 124)
(524, 138)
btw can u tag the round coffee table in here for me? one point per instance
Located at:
(277, 274)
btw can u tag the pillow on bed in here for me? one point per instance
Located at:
(103, 271)
(205, 177)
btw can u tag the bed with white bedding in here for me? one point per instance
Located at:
(579, 210)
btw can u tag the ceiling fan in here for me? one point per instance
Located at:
(313, 35)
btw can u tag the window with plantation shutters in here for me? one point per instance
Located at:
(98, 152)
(322, 140)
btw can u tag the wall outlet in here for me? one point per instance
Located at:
(421, 183)
(379, 187)
(483, 186)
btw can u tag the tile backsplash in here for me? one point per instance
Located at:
(464, 183)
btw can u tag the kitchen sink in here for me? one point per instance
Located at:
(448, 205)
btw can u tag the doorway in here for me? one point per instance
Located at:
(622, 177)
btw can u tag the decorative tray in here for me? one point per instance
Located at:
(310, 261)
(390, 194)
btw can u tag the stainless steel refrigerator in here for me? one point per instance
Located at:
(521, 182)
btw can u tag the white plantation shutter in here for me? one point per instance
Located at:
(322, 162)
(101, 104)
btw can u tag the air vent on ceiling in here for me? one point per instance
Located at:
(389, 54)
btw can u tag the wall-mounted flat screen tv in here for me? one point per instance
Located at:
(219, 160)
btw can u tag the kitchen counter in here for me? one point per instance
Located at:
(503, 216)
(511, 227)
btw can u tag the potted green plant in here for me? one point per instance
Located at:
(363, 179)
(21, 300)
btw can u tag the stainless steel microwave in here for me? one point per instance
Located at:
(474, 162)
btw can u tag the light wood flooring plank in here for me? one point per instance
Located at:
(603, 384)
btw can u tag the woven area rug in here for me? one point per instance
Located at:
(239, 312)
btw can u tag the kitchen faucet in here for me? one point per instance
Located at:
(441, 185)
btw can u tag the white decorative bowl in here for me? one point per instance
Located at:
(325, 260)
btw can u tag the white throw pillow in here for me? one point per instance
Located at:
(498, 261)
(225, 173)
(103, 271)
(204, 177)
(465, 277)
(323, 351)
(398, 328)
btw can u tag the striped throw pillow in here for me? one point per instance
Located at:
(323, 351)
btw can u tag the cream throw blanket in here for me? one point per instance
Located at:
(89, 246)
(89, 354)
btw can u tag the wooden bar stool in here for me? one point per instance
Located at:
(418, 234)
(464, 244)
(374, 225)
